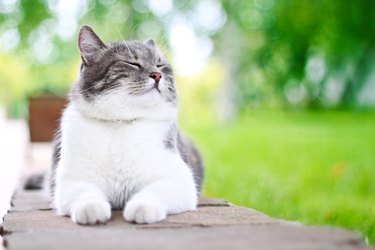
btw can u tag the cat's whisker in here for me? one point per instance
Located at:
(135, 27)
(118, 31)
(128, 48)
(163, 44)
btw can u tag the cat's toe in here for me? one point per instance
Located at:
(91, 212)
(144, 212)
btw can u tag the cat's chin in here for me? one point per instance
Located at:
(150, 97)
(154, 92)
(148, 106)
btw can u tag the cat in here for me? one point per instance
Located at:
(119, 146)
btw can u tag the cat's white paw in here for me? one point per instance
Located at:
(91, 212)
(144, 211)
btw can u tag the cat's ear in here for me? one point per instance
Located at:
(150, 43)
(89, 44)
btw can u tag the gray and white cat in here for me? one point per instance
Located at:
(119, 146)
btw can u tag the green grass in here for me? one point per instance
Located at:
(314, 167)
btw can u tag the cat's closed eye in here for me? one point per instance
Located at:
(134, 64)
(160, 65)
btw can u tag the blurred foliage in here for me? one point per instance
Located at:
(314, 53)
(291, 53)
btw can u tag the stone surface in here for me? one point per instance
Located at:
(229, 237)
(216, 224)
(30, 200)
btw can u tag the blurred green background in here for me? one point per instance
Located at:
(279, 95)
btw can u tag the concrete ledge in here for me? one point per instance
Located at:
(216, 224)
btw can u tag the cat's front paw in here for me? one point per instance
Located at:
(91, 212)
(144, 211)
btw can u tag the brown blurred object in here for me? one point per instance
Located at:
(44, 115)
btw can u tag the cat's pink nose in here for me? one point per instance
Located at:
(156, 76)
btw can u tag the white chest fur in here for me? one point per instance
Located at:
(119, 159)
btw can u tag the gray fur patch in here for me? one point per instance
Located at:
(170, 141)
(190, 155)
(177, 142)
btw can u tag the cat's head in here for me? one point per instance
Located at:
(123, 80)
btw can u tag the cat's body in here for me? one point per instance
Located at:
(119, 146)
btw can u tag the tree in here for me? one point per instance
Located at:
(302, 48)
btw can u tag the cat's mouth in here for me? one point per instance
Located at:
(155, 87)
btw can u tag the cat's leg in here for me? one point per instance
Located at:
(160, 198)
(84, 202)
